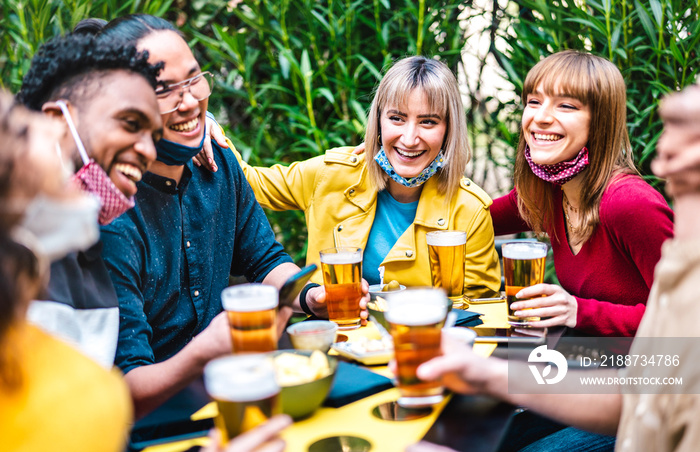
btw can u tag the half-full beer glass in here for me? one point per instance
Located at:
(342, 279)
(416, 318)
(245, 391)
(446, 253)
(252, 317)
(523, 266)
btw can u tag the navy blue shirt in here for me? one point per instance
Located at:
(171, 255)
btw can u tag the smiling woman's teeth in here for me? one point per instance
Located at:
(129, 171)
(185, 126)
(546, 137)
(408, 154)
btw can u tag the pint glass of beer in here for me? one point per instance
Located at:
(342, 278)
(252, 317)
(523, 266)
(245, 391)
(416, 318)
(446, 253)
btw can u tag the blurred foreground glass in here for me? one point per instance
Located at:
(252, 317)
(245, 391)
(446, 251)
(342, 278)
(523, 266)
(416, 318)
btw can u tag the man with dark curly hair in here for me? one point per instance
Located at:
(105, 96)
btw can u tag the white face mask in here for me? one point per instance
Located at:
(54, 228)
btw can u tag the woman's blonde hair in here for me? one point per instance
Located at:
(597, 83)
(441, 89)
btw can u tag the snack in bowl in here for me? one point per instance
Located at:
(313, 334)
(367, 351)
(305, 379)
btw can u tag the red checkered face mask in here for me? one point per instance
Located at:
(93, 179)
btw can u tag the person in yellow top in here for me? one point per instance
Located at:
(52, 397)
(407, 183)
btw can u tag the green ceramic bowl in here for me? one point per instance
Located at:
(300, 401)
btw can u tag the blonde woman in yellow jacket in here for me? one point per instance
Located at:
(408, 182)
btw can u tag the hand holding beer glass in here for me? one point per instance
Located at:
(446, 251)
(342, 279)
(245, 391)
(523, 266)
(416, 318)
(252, 316)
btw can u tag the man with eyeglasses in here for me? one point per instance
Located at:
(171, 256)
(105, 94)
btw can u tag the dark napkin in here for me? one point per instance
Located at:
(467, 318)
(353, 383)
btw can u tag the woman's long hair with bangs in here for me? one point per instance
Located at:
(597, 83)
(441, 89)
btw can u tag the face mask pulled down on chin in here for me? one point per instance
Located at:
(93, 179)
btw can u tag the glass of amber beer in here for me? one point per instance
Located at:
(245, 391)
(416, 318)
(446, 253)
(523, 266)
(252, 317)
(342, 278)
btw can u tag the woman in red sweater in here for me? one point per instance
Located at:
(575, 181)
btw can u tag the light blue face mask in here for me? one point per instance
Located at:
(428, 172)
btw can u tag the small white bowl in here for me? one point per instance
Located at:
(313, 335)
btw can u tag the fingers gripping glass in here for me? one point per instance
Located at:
(170, 96)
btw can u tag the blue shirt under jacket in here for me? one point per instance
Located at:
(171, 255)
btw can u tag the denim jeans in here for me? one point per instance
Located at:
(529, 432)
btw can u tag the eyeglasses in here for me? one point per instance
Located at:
(170, 96)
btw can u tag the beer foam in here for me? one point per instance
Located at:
(249, 298)
(416, 313)
(446, 238)
(532, 250)
(240, 378)
(344, 257)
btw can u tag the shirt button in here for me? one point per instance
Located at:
(352, 191)
(468, 182)
(196, 293)
(353, 159)
(409, 253)
(340, 228)
(187, 244)
(441, 222)
(168, 183)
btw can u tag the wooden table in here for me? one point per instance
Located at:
(477, 421)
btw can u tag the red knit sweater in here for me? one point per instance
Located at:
(612, 274)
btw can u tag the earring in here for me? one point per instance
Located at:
(379, 139)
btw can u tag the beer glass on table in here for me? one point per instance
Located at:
(446, 250)
(252, 317)
(416, 318)
(342, 279)
(245, 391)
(523, 266)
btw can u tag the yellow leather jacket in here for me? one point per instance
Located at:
(339, 203)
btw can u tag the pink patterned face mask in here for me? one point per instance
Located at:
(93, 179)
(559, 173)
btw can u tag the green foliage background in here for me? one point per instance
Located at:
(295, 77)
